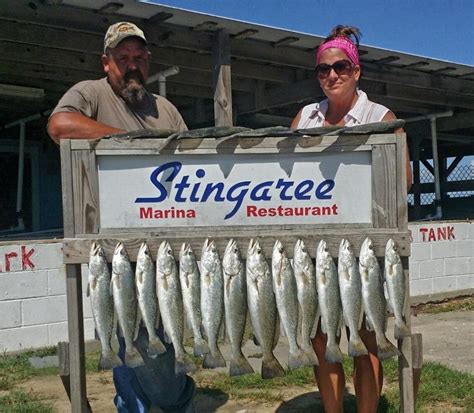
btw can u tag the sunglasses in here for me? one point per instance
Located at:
(341, 67)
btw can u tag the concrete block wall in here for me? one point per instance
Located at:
(33, 311)
(442, 257)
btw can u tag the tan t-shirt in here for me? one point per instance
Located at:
(97, 100)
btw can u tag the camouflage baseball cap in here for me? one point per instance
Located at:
(120, 31)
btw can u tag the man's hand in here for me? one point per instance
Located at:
(68, 125)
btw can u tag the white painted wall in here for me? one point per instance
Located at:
(33, 310)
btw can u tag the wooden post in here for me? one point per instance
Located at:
(405, 362)
(222, 80)
(417, 358)
(416, 179)
(75, 353)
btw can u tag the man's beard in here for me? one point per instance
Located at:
(134, 91)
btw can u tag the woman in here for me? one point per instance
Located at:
(338, 71)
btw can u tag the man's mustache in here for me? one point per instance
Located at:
(134, 75)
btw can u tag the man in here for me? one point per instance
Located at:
(119, 102)
(115, 104)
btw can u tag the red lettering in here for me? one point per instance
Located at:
(334, 209)
(146, 213)
(25, 258)
(432, 235)
(424, 231)
(8, 257)
(451, 233)
(251, 211)
(441, 233)
(262, 212)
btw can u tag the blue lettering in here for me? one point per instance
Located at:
(303, 188)
(180, 186)
(219, 186)
(324, 188)
(265, 186)
(175, 168)
(239, 197)
(285, 185)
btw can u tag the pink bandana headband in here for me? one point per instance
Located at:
(343, 43)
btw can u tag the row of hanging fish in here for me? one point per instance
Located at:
(222, 291)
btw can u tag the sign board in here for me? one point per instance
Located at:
(226, 190)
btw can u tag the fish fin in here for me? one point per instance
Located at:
(324, 329)
(368, 324)
(385, 349)
(201, 347)
(296, 359)
(115, 279)
(88, 290)
(315, 325)
(213, 361)
(227, 286)
(401, 330)
(277, 332)
(239, 366)
(340, 325)
(333, 354)
(139, 277)
(109, 361)
(167, 338)
(323, 278)
(133, 358)
(356, 348)
(345, 274)
(311, 357)
(272, 368)
(248, 331)
(184, 364)
(165, 283)
(361, 317)
(138, 318)
(307, 276)
(186, 279)
(155, 346)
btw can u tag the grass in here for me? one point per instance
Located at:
(18, 401)
(448, 305)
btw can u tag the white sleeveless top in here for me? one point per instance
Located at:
(364, 111)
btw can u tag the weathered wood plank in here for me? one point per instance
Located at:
(86, 192)
(77, 250)
(67, 195)
(222, 79)
(402, 208)
(75, 319)
(303, 143)
(417, 359)
(405, 361)
(384, 188)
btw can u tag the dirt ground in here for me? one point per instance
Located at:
(447, 339)
(100, 392)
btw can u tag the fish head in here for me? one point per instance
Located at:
(144, 259)
(210, 255)
(120, 260)
(232, 261)
(323, 257)
(187, 258)
(346, 252)
(256, 261)
(97, 260)
(279, 252)
(391, 252)
(165, 257)
(367, 253)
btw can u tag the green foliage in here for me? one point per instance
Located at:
(18, 401)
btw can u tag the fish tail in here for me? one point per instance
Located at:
(385, 349)
(200, 347)
(109, 360)
(184, 364)
(311, 358)
(133, 358)
(333, 353)
(213, 360)
(401, 330)
(356, 347)
(155, 346)
(296, 359)
(240, 365)
(271, 368)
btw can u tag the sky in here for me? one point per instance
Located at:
(440, 29)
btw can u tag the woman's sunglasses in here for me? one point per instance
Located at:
(341, 67)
